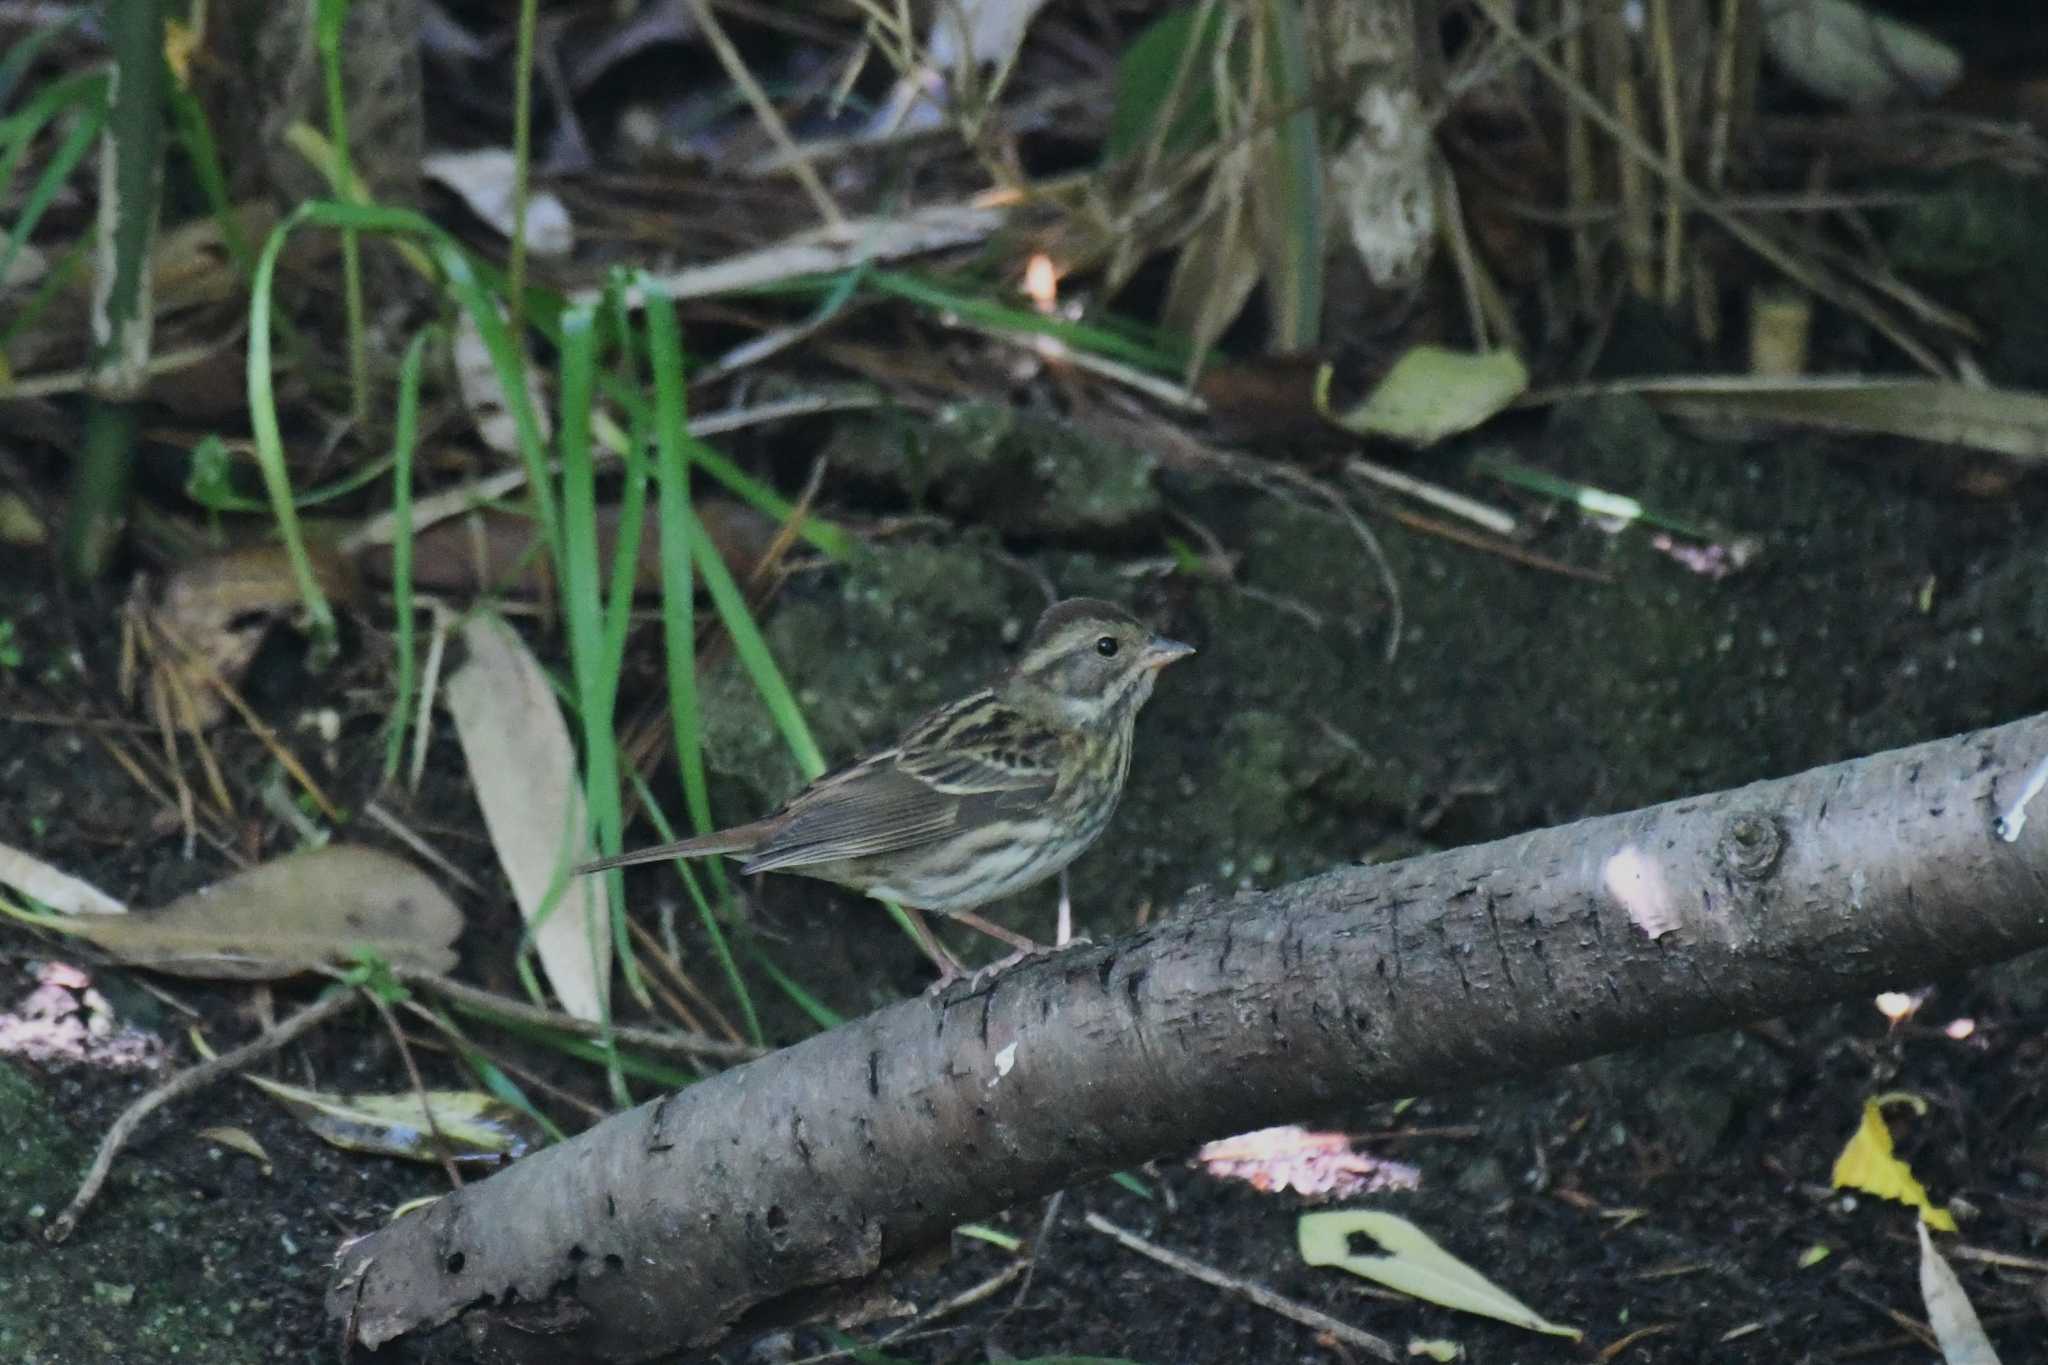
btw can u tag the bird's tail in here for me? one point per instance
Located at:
(738, 839)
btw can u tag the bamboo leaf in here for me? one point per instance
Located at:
(1414, 1264)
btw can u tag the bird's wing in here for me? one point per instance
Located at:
(951, 769)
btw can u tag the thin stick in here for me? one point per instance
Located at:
(1798, 271)
(654, 1040)
(665, 961)
(1265, 1298)
(1674, 150)
(1443, 499)
(439, 1141)
(186, 1082)
(458, 1040)
(406, 835)
(771, 122)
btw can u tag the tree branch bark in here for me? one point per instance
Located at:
(782, 1190)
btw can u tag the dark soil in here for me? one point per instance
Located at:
(1673, 1191)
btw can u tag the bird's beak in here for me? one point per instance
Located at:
(1163, 651)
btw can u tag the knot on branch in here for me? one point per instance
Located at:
(1750, 845)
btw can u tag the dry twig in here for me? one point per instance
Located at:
(186, 1082)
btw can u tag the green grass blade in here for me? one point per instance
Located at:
(18, 131)
(594, 664)
(15, 64)
(195, 134)
(986, 312)
(678, 580)
(51, 182)
(270, 439)
(403, 442)
(826, 1016)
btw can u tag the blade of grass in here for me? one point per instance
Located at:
(270, 437)
(493, 1079)
(824, 1014)
(470, 291)
(597, 623)
(595, 674)
(19, 129)
(19, 56)
(77, 142)
(195, 134)
(1103, 341)
(823, 535)
(726, 597)
(678, 586)
(403, 441)
(584, 1049)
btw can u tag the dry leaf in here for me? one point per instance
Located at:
(19, 524)
(1844, 51)
(483, 179)
(1867, 1162)
(1415, 1265)
(324, 906)
(472, 1126)
(59, 890)
(1949, 1310)
(210, 617)
(239, 1140)
(2007, 421)
(524, 769)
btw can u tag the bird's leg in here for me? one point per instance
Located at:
(1063, 929)
(1022, 947)
(997, 931)
(949, 966)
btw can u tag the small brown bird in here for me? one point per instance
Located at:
(980, 798)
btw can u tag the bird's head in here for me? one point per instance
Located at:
(1089, 661)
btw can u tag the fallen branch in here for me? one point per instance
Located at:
(782, 1190)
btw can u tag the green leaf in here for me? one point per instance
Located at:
(1414, 1264)
(1432, 393)
(1144, 78)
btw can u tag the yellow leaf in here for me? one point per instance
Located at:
(1867, 1163)
(180, 42)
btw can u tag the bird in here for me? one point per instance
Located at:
(978, 799)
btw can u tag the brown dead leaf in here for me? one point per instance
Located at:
(211, 615)
(326, 906)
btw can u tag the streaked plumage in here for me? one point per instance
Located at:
(980, 798)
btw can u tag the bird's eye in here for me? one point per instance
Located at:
(1106, 646)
